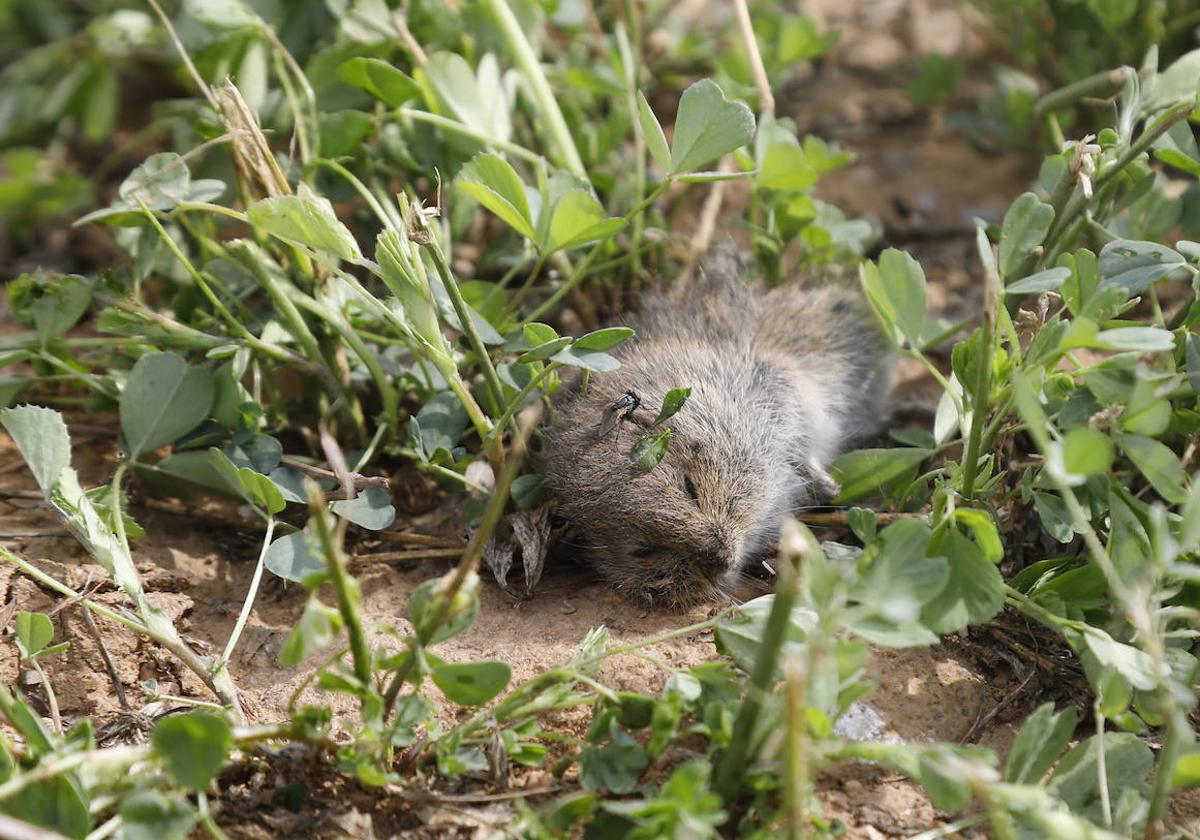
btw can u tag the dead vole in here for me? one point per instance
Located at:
(782, 382)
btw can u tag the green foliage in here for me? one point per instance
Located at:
(193, 747)
(317, 299)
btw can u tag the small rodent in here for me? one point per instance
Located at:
(783, 380)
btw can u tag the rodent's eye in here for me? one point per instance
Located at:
(690, 488)
(644, 551)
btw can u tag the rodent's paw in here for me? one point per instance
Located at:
(822, 485)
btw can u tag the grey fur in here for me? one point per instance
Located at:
(782, 382)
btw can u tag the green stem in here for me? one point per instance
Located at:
(206, 207)
(62, 589)
(51, 697)
(343, 585)
(468, 323)
(539, 87)
(238, 328)
(440, 611)
(1102, 82)
(732, 766)
(465, 131)
(248, 605)
(1078, 203)
(981, 398)
(515, 404)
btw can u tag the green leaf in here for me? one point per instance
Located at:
(707, 126)
(895, 289)
(1113, 13)
(461, 615)
(1025, 226)
(656, 140)
(1176, 82)
(1158, 464)
(261, 453)
(649, 450)
(290, 558)
(603, 339)
(306, 220)
(492, 181)
(59, 804)
(35, 631)
(1135, 266)
(867, 472)
(254, 487)
(973, 594)
(222, 14)
(149, 815)
(1138, 339)
(471, 683)
(160, 183)
(477, 97)
(164, 399)
(53, 302)
(1186, 772)
(936, 81)
(596, 361)
(786, 167)
(1042, 738)
(316, 628)
(537, 333)
(371, 509)
(42, 437)
(1076, 779)
(1056, 519)
(671, 404)
(1050, 280)
(1189, 537)
(544, 351)
(1086, 452)
(578, 219)
(741, 636)
(380, 79)
(1192, 360)
(984, 530)
(193, 746)
(616, 766)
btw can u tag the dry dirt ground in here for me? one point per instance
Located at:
(924, 183)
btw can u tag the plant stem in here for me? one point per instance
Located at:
(797, 790)
(466, 131)
(468, 322)
(250, 595)
(51, 697)
(1102, 82)
(732, 766)
(62, 589)
(471, 556)
(344, 585)
(1078, 203)
(766, 100)
(539, 88)
(981, 398)
(515, 404)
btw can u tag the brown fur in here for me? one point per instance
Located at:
(782, 382)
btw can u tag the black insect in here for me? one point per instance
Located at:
(622, 408)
